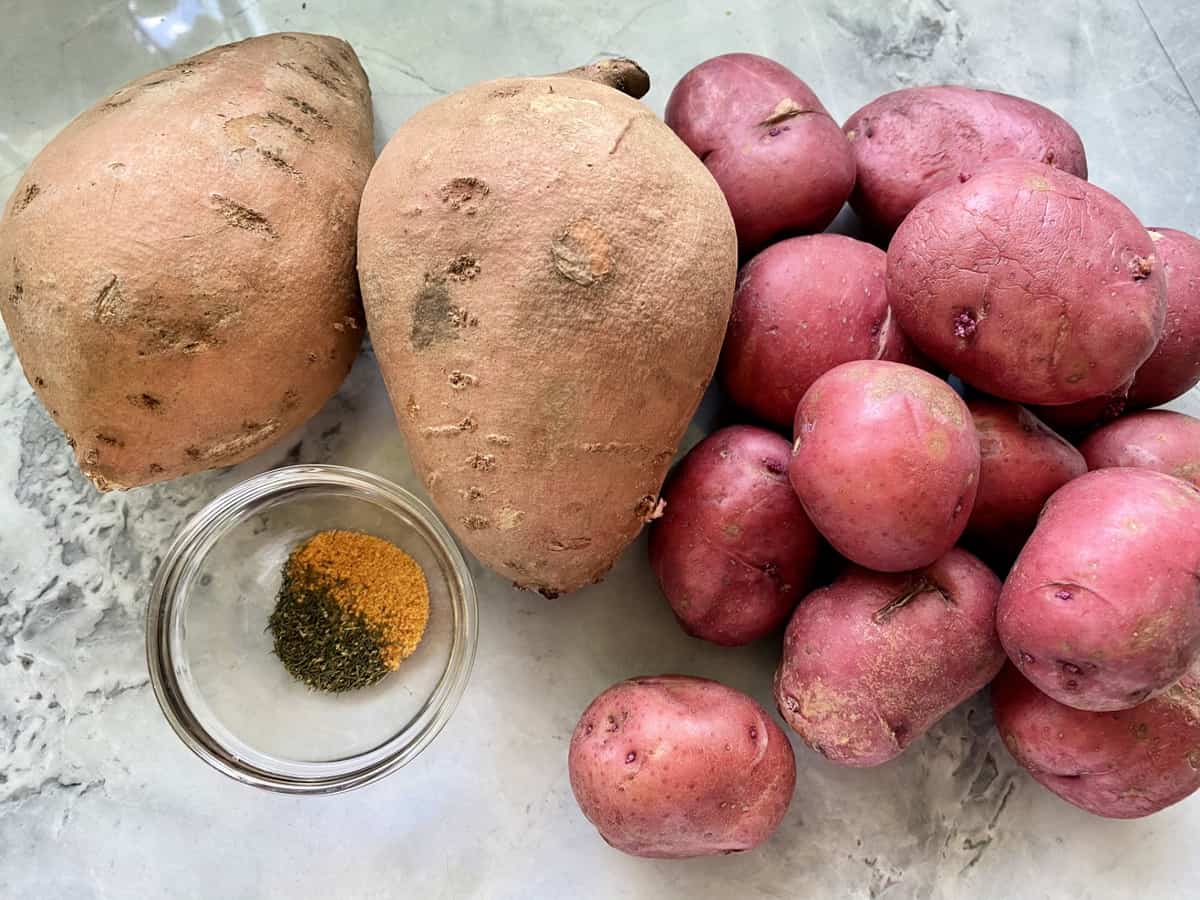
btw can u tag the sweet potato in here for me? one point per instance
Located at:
(873, 660)
(1022, 463)
(734, 551)
(1123, 764)
(675, 767)
(781, 160)
(1174, 367)
(544, 338)
(1102, 608)
(177, 265)
(886, 463)
(1029, 284)
(1154, 439)
(803, 306)
(913, 142)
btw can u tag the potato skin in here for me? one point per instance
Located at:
(862, 677)
(1122, 765)
(913, 142)
(672, 767)
(1173, 368)
(1102, 608)
(1022, 462)
(886, 463)
(781, 160)
(1157, 439)
(544, 340)
(803, 306)
(1029, 284)
(177, 265)
(734, 551)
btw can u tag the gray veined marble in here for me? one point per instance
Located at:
(99, 799)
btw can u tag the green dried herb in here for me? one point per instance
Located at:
(320, 642)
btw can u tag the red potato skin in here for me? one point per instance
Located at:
(1157, 439)
(1028, 283)
(1123, 765)
(886, 463)
(803, 306)
(1102, 608)
(1022, 462)
(1174, 367)
(781, 160)
(672, 767)
(859, 683)
(733, 551)
(913, 142)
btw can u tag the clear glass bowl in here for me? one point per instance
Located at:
(210, 655)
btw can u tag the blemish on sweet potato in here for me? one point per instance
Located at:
(411, 407)
(241, 216)
(461, 380)
(432, 320)
(483, 462)
(463, 193)
(476, 523)
(145, 401)
(465, 426)
(251, 433)
(462, 268)
(107, 306)
(109, 439)
(309, 110)
(278, 162)
(287, 123)
(649, 508)
(582, 253)
(566, 544)
(500, 440)
(319, 77)
(27, 197)
(156, 469)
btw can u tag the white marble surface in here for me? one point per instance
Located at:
(99, 799)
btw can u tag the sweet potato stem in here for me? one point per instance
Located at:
(618, 73)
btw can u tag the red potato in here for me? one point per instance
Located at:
(734, 551)
(781, 160)
(872, 661)
(886, 463)
(913, 142)
(1079, 418)
(1029, 284)
(1022, 463)
(1155, 439)
(803, 306)
(674, 767)
(1102, 608)
(1174, 367)
(1123, 764)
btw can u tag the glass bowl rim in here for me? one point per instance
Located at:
(197, 537)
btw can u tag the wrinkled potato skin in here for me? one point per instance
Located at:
(1102, 608)
(1029, 284)
(544, 340)
(1157, 439)
(1022, 463)
(1173, 368)
(672, 767)
(177, 265)
(734, 551)
(886, 463)
(1122, 765)
(782, 169)
(859, 684)
(803, 306)
(913, 142)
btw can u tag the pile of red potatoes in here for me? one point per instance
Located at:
(1035, 526)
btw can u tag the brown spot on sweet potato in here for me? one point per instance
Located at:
(411, 407)
(432, 316)
(108, 306)
(568, 544)
(508, 518)
(500, 440)
(27, 197)
(92, 456)
(145, 401)
(114, 103)
(465, 426)
(483, 462)
(472, 493)
(1140, 267)
(461, 380)
(462, 268)
(287, 123)
(476, 523)
(109, 439)
(582, 253)
(309, 110)
(320, 77)
(278, 162)
(240, 216)
(464, 193)
(504, 92)
(250, 434)
(156, 469)
(39, 381)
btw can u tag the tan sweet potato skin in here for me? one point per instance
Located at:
(1123, 764)
(886, 462)
(1029, 284)
(860, 680)
(177, 266)
(1022, 463)
(673, 766)
(1102, 608)
(1157, 439)
(545, 337)
(915, 141)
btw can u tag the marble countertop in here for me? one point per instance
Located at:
(98, 798)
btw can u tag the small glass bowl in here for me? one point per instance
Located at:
(210, 655)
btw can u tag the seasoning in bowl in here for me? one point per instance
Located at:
(350, 609)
